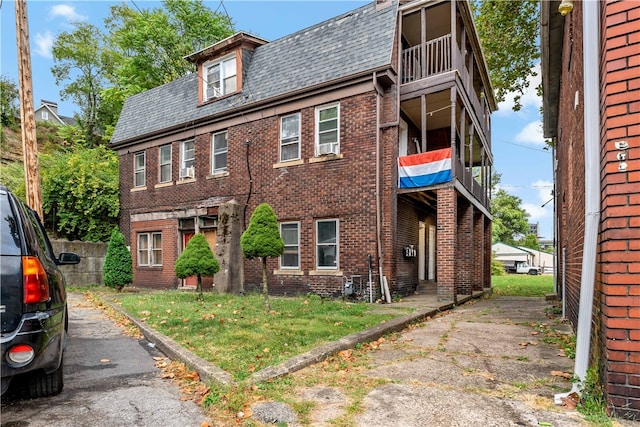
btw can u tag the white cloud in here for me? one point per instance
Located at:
(531, 134)
(67, 12)
(535, 209)
(44, 44)
(530, 98)
(537, 212)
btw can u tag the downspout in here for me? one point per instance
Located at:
(591, 43)
(378, 196)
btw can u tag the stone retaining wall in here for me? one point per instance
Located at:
(89, 270)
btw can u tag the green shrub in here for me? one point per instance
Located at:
(118, 265)
(262, 240)
(197, 260)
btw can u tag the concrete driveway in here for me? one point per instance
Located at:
(483, 363)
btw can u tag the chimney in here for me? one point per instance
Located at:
(381, 4)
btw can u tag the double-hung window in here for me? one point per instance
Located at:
(290, 137)
(139, 169)
(220, 77)
(327, 244)
(328, 129)
(290, 233)
(219, 152)
(165, 163)
(149, 249)
(187, 159)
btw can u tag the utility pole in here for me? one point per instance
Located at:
(28, 123)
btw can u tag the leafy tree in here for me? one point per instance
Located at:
(510, 220)
(9, 95)
(530, 241)
(80, 191)
(149, 45)
(262, 240)
(80, 66)
(509, 34)
(497, 267)
(118, 265)
(197, 260)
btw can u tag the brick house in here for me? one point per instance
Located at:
(368, 134)
(591, 104)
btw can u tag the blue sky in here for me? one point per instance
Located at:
(517, 141)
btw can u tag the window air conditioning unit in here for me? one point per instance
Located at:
(324, 149)
(187, 172)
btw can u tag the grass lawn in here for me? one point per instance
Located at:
(238, 335)
(522, 285)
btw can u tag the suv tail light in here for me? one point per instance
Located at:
(36, 284)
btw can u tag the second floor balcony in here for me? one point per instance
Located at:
(440, 47)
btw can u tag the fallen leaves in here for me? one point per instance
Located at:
(564, 375)
(571, 401)
(187, 379)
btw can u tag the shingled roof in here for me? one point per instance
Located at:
(348, 45)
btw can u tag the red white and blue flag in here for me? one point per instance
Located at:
(424, 169)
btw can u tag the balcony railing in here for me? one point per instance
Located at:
(436, 57)
(422, 61)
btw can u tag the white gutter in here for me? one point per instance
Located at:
(591, 78)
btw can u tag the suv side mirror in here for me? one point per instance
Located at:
(68, 258)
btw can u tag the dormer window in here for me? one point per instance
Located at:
(220, 77)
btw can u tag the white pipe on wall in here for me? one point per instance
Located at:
(591, 78)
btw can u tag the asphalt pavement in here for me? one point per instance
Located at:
(111, 380)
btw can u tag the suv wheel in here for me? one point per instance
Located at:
(42, 384)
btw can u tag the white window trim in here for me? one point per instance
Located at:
(142, 170)
(183, 166)
(160, 164)
(214, 170)
(205, 76)
(149, 250)
(337, 244)
(297, 223)
(281, 160)
(45, 115)
(336, 147)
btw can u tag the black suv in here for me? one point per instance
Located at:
(33, 301)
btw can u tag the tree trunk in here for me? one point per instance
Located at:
(199, 286)
(265, 288)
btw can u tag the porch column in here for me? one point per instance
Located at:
(454, 152)
(487, 253)
(479, 252)
(465, 254)
(446, 243)
(423, 115)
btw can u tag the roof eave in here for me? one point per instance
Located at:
(551, 35)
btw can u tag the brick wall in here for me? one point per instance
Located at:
(619, 250)
(464, 258)
(160, 277)
(447, 242)
(304, 193)
(570, 173)
(407, 268)
(478, 251)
